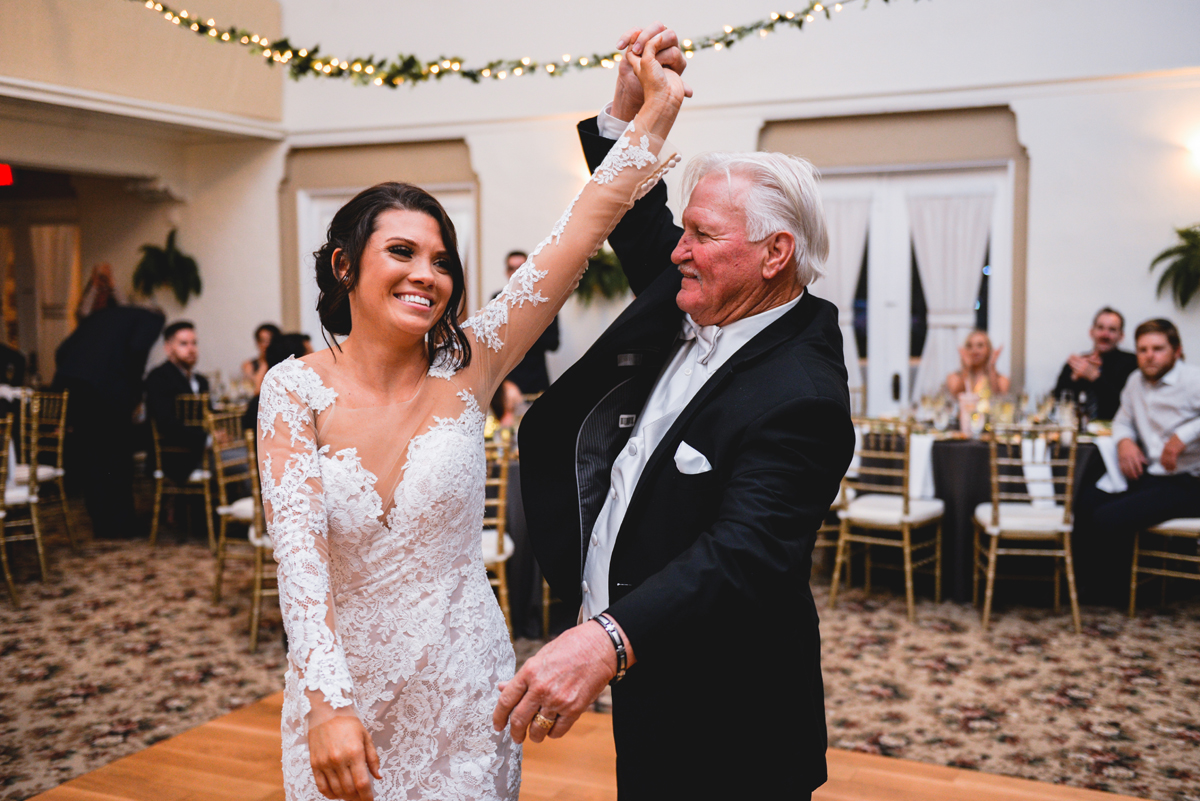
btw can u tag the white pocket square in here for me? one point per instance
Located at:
(690, 461)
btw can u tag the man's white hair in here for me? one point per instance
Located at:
(782, 196)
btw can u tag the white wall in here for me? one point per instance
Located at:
(228, 217)
(230, 224)
(1106, 94)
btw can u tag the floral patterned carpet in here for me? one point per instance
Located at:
(123, 647)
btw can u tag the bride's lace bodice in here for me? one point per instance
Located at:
(376, 519)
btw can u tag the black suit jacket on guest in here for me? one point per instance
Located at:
(163, 384)
(1104, 394)
(709, 575)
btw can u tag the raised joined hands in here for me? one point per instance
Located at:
(629, 95)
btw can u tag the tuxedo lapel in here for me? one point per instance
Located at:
(782, 330)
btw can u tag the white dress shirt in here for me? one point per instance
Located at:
(1151, 414)
(701, 353)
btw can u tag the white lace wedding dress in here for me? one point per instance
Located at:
(376, 517)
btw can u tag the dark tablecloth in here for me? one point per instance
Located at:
(961, 479)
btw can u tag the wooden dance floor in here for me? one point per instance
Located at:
(236, 758)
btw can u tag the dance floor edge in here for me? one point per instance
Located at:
(236, 758)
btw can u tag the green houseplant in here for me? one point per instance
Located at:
(167, 267)
(604, 278)
(1182, 272)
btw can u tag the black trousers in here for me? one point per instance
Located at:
(1105, 524)
(101, 441)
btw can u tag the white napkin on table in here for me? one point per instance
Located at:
(1113, 481)
(920, 466)
(1038, 475)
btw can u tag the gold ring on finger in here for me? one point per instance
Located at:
(543, 722)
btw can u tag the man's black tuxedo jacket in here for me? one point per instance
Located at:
(709, 575)
(163, 384)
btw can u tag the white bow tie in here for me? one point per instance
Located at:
(706, 337)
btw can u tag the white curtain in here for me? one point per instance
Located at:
(56, 264)
(846, 219)
(950, 236)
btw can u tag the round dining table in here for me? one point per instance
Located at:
(962, 480)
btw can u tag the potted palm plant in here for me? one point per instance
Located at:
(167, 267)
(1182, 273)
(604, 278)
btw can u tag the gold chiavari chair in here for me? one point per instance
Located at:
(1033, 479)
(497, 545)
(858, 400)
(830, 530)
(235, 503)
(264, 550)
(16, 496)
(881, 503)
(1185, 528)
(43, 434)
(193, 412)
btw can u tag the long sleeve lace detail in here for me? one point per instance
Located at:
(519, 291)
(513, 320)
(623, 155)
(296, 519)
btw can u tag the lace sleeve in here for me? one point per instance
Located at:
(508, 326)
(295, 511)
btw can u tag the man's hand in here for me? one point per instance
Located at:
(1171, 451)
(1133, 462)
(1085, 367)
(559, 682)
(628, 99)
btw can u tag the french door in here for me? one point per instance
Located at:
(930, 237)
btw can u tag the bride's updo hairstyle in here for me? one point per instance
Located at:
(349, 231)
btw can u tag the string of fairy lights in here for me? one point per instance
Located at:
(306, 62)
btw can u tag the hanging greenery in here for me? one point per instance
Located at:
(304, 62)
(603, 278)
(167, 267)
(1182, 272)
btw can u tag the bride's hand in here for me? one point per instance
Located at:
(627, 98)
(341, 753)
(663, 89)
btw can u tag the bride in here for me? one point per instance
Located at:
(373, 484)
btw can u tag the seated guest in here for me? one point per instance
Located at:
(164, 383)
(1157, 429)
(254, 370)
(978, 372)
(282, 346)
(1102, 371)
(530, 375)
(12, 374)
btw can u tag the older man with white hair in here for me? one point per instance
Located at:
(674, 480)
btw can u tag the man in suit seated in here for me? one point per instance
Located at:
(1102, 371)
(674, 480)
(12, 374)
(176, 376)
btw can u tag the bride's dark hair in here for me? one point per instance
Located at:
(349, 231)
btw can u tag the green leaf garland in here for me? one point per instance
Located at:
(305, 62)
